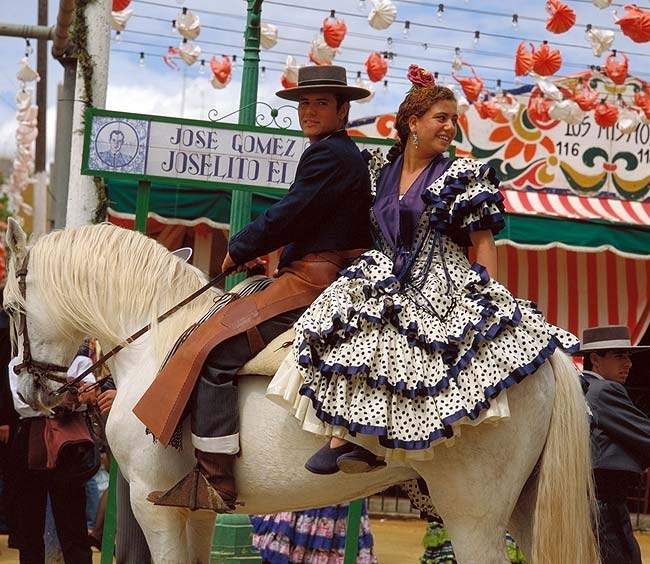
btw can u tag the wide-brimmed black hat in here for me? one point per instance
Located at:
(608, 338)
(323, 78)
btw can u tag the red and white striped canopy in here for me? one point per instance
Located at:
(576, 207)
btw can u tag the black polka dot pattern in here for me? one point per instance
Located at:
(405, 361)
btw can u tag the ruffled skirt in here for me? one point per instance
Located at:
(408, 366)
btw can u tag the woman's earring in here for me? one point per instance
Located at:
(416, 141)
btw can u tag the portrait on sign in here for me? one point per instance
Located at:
(118, 145)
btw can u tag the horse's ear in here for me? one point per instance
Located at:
(16, 238)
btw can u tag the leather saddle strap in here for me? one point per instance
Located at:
(161, 407)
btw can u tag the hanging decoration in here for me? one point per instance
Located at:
(628, 120)
(567, 111)
(120, 19)
(601, 39)
(189, 52)
(538, 108)
(457, 61)
(361, 83)
(221, 71)
(289, 78)
(642, 100)
(320, 53)
(605, 113)
(119, 5)
(334, 30)
(376, 66)
(523, 60)
(169, 58)
(268, 36)
(585, 96)
(188, 24)
(602, 4)
(635, 23)
(616, 70)
(546, 61)
(561, 19)
(382, 15)
(472, 86)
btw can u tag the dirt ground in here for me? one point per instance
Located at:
(397, 541)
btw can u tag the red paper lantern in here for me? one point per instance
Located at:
(616, 70)
(119, 5)
(334, 31)
(222, 70)
(546, 61)
(286, 83)
(605, 114)
(523, 60)
(472, 85)
(635, 23)
(562, 17)
(376, 67)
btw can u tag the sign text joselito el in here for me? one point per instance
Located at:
(193, 152)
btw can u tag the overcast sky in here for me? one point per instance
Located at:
(180, 90)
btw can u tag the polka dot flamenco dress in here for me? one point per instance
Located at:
(413, 340)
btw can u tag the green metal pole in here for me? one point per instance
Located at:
(240, 209)
(352, 532)
(142, 206)
(110, 517)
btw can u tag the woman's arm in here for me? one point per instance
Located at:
(486, 250)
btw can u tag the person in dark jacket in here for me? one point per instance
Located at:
(322, 224)
(620, 437)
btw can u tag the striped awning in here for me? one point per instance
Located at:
(576, 207)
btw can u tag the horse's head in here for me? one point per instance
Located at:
(40, 357)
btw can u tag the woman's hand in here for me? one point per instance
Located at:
(486, 250)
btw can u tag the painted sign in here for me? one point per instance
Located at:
(194, 152)
(532, 151)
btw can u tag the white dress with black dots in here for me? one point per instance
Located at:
(407, 362)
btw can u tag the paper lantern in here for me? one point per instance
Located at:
(119, 5)
(189, 52)
(642, 100)
(616, 70)
(561, 17)
(538, 108)
(628, 121)
(546, 61)
(472, 86)
(382, 15)
(605, 114)
(635, 23)
(567, 111)
(286, 83)
(586, 97)
(27, 73)
(188, 24)
(320, 53)
(268, 36)
(291, 71)
(221, 71)
(334, 31)
(602, 4)
(120, 19)
(376, 67)
(523, 60)
(601, 40)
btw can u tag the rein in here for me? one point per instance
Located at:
(38, 369)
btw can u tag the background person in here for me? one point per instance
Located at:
(620, 437)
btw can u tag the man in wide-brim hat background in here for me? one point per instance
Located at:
(620, 437)
(322, 224)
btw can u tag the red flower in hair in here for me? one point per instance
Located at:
(420, 77)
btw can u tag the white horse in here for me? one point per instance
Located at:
(529, 473)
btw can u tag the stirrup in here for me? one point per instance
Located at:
(193, 492)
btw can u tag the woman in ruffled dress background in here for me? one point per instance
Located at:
(414, 339)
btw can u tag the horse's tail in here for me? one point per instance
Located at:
(566, 507)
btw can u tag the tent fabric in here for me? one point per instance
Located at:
(576, 207)
(577, 289)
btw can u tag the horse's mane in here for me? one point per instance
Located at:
(101, 279)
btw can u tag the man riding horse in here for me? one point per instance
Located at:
(322, 223)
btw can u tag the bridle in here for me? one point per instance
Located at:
(35, 368)
(47, 370)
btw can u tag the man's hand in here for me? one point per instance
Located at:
(228, 263)
(4, 434)
(105, 401)
(85, 396)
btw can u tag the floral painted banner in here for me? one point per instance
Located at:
(532, 151)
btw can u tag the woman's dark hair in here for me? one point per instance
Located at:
(417, 103)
